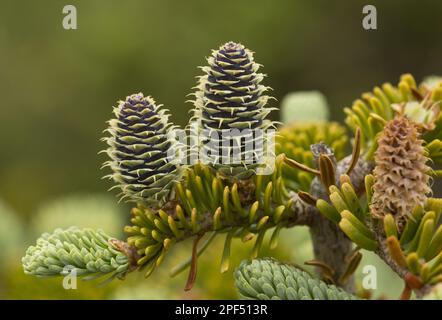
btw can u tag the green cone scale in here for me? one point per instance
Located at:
(138, 151)
(268, 279)
(230, 96)
(92, 253)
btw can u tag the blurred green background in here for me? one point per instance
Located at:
(57, 88)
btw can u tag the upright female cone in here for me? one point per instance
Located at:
(230, 111)
(138, 149)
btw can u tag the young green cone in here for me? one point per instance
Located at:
(91, 253)
(139, 148)
(230, 97)
(268, 279)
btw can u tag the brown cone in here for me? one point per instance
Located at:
(401, 179)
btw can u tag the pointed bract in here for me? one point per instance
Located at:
(230, 96)
(138, 149)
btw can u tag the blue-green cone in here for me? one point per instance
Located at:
(230, 96)
(269, 279)
(92, 253)
(138, 151)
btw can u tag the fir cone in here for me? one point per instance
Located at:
(92, 253)
(401, 179)
(230, 96)
(138, 151)
(268, 279)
